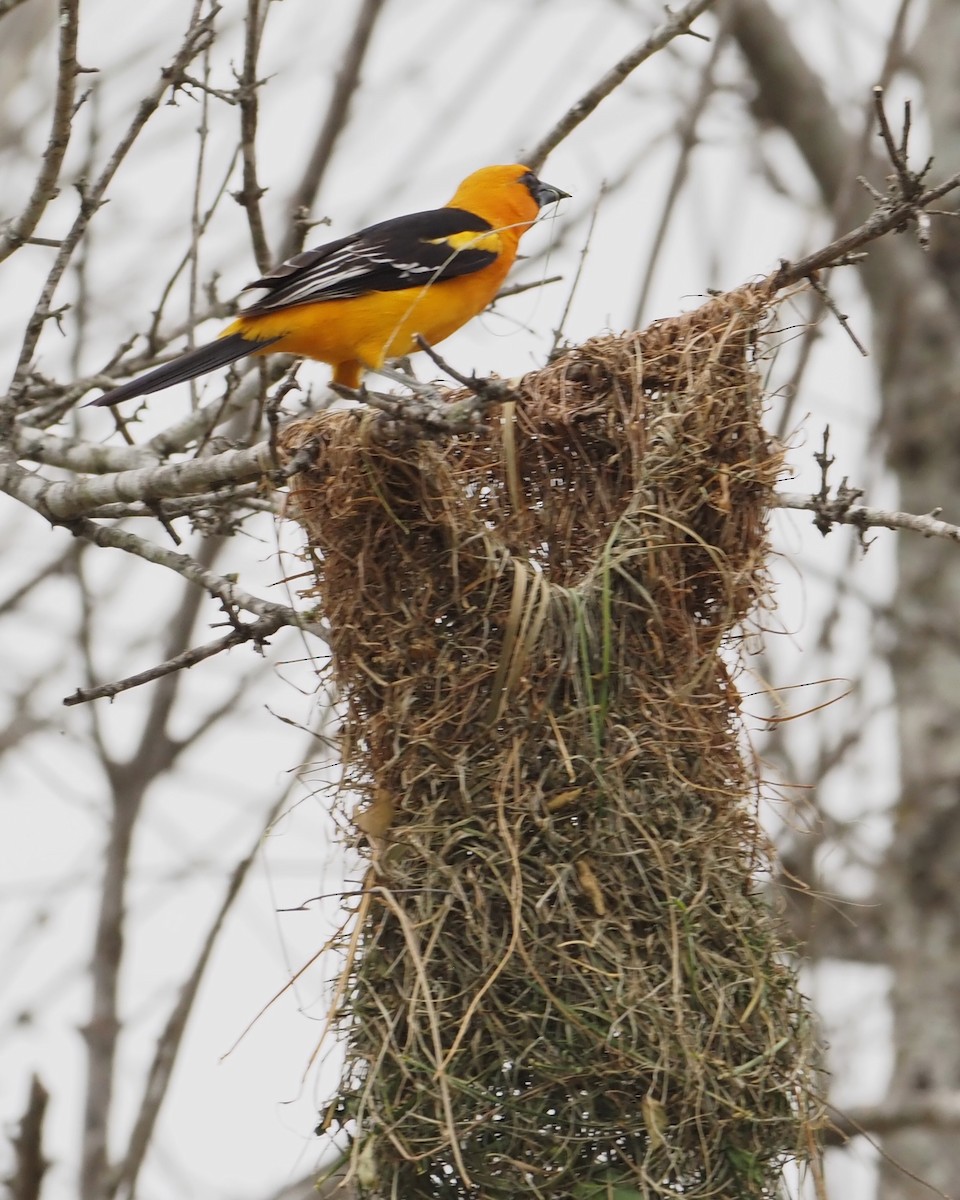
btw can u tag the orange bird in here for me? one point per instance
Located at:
(360, 300)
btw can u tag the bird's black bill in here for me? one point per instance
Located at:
(543, 193)
(546, 193)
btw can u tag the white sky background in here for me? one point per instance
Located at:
(448, 86)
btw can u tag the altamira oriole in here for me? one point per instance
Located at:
(362, 299)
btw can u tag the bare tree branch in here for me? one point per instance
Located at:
(675, 25)
(171, 1038)
(45, 187)
(842, 510)
(7, 6)
(686, 142)
(791, 94)
(195, 39)
(231, 596)
(255, 631)
(30, 1166)
(63, 501)
(85, 458)
(939, 1109)
(894, 215)
(251, 193)
(212, 512)
(128, 783)
(347, 81)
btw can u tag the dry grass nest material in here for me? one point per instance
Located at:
(565, 981)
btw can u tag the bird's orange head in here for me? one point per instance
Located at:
(506, 196)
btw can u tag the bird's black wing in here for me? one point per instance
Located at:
(406, 252)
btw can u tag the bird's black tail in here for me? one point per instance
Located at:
(188, 366)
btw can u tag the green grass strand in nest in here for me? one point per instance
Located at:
(566, 981)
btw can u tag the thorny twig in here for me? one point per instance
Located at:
(841, 508)
(904, 203)
(842, 251)
(829, 511)
(909, 184)
(257, 632)
(233, 599)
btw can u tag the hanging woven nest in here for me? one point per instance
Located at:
(566, 980)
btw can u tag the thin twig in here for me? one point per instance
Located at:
(64, 108)
(252, 192)
(214, 308)
(686, 142)
(232, 597)
(171, 1038)
(884, 220)
(196, 225)
(347, 81)
(842, 318)
(256, 631)
(584, 250)
(676, 24)
(909, 183)
(197, 36)
(517, 289)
